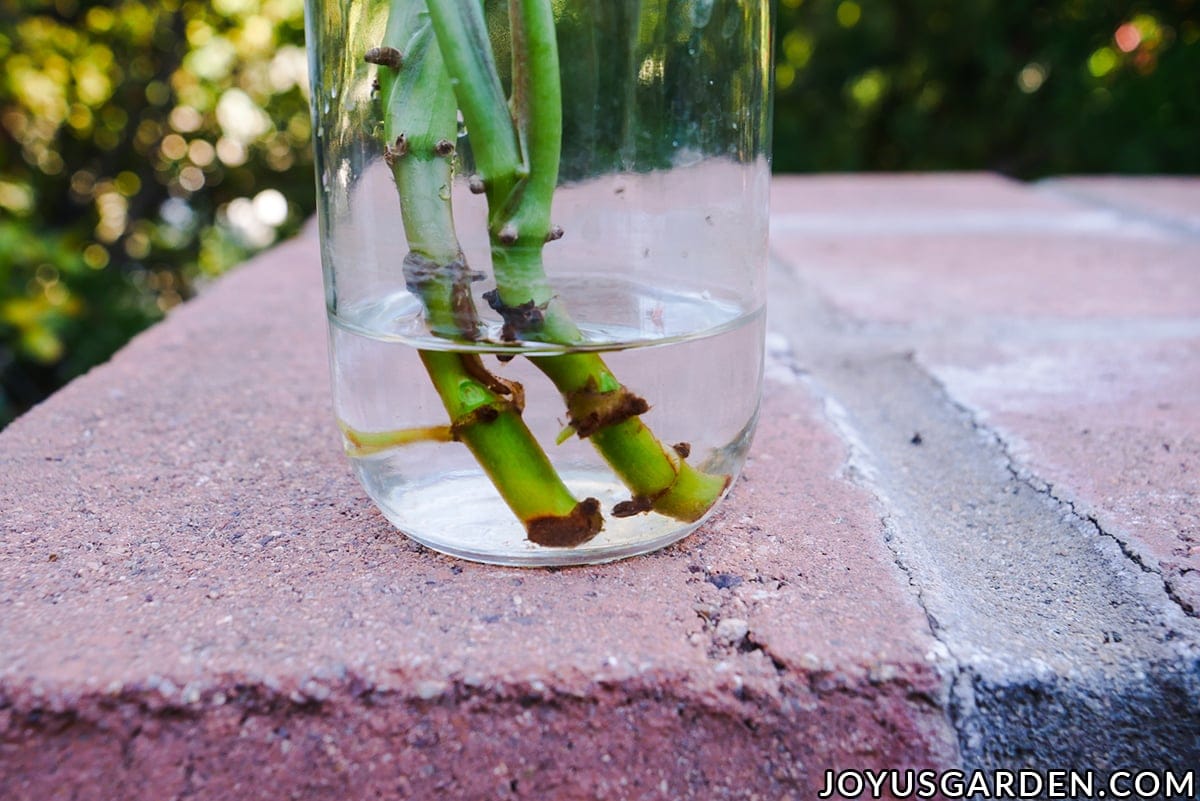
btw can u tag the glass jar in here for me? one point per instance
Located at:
(544, 235)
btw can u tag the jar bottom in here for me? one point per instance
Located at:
(462, 515)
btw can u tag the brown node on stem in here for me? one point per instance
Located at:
(395, 151)
(508, 234)
(513, 390)
(476, 185)
(422, 274)
(589, 410)
(462, 306)
(684, 449)
(527, 316)
(444, 147)
(479, 415)
(634, 506)
(555, 234)
(388, 57)
(567, 531)
(375, 85)
(420, 271)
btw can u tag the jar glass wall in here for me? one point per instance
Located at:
(545, 282)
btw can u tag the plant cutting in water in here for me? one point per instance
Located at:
(435, 63)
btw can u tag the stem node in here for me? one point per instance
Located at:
(480, 415)
(590, 410)
(388, 57)
(508, 234)
(397, 151)
(519, 319)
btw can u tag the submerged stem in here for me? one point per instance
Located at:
(367, 443)
(420, 125)
(520, 167)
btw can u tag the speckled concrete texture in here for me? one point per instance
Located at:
(199, 602)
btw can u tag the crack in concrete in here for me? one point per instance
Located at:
(1044, 487)
(783, 356)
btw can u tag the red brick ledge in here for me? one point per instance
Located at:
(200, 602)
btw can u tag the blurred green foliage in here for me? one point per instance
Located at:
(145, 147)
(1025, 87)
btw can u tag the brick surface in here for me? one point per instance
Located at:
(965, 536)
(199, 601)
(1166, 199)
(943, 278)
(1071, 327)
(938, 250)
(905, 196)
(1112, 426)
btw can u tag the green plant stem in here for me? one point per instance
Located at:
(519, 165)
(466, 50)
(366, 443)
(420, 126)
(516, 464)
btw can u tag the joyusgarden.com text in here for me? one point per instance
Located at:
(1009, 784)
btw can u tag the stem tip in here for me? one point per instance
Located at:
(576, 528)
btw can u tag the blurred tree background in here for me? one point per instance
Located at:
(1025, 87)
(146, 147)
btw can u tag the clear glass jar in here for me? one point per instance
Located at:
(546, 314)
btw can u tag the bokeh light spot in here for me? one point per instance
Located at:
(201, 152)
(868, 88)
(1127, 37)
(785, 76)
(157, 93)
(271, 207)
(95, 256)
(185, 119)
(848, 13)
(191, 179)
(231, 152)
(174, 147)
(128, 183)
(1031, 78)
(1102, 62)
